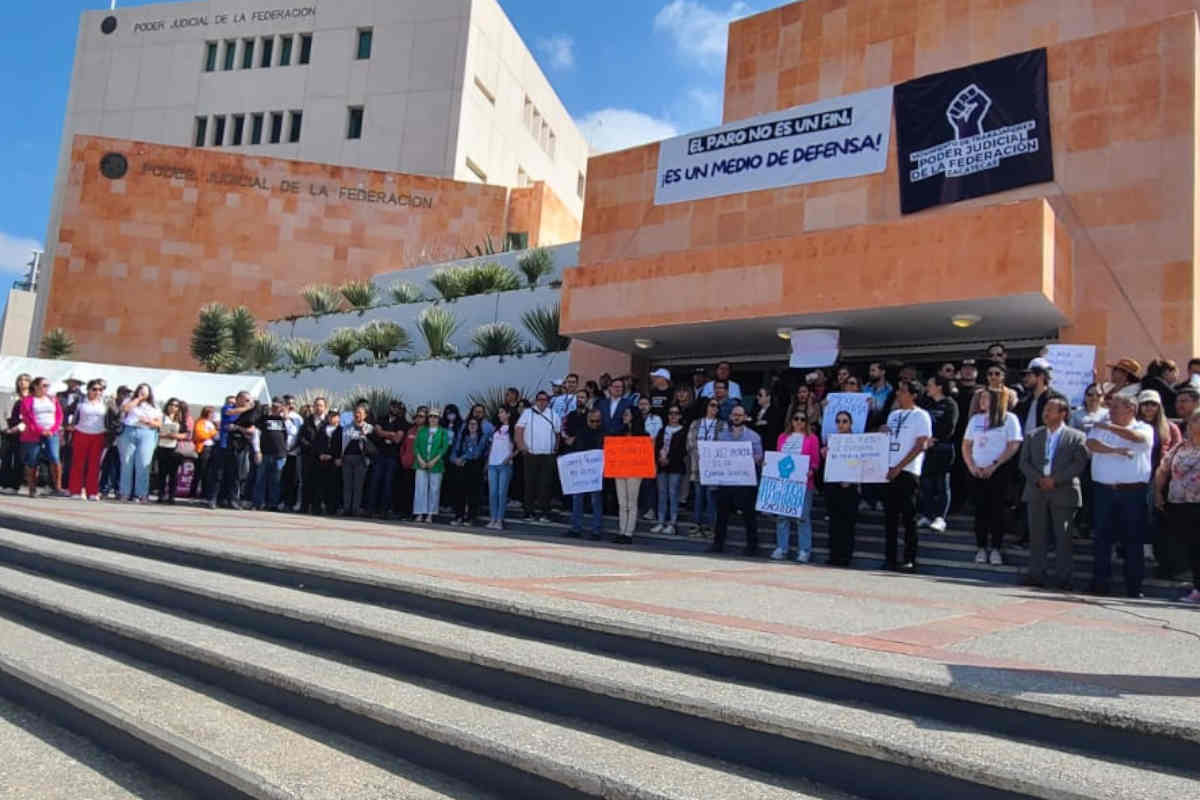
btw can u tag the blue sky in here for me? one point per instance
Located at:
(629, 71)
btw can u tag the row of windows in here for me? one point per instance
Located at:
(257, 52)
(263, 127)
(536, 124)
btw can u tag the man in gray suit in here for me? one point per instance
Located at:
(1052, 459)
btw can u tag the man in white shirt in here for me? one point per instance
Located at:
(537, 438)
(722, 374)
(563, 404)
(292, 478)
(909, 429)
(1120, 451)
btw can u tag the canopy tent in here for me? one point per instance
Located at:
(197, 389)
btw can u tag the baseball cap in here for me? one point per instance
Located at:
(558, 382)
(1128, 365)
(1149, 396)
(1039, 364)
(661, 373)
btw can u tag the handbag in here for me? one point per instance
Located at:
(187, 449)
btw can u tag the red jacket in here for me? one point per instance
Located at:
(32, 432)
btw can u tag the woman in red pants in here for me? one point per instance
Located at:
(88, 443)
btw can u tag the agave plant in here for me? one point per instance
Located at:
(488, 248)
(212, 342)
(57, 343)
(242, 330)
(322, 299)
(264, 351)
(491, 399)
(496, 339)
(405, 293)
(361, 295)
(536, 264)
(302, 352)
(487, 278)
(342, 344)
(378, 399)
(448, 283)
(382, 338)
(542, 324)
(437, 325)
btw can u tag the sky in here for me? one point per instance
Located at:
(628, 71)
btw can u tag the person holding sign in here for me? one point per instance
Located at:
(627, 488)
(590, 437)
(742, 498)
(990, 444)
(705, 429)
(798, 439)
(670, 449)
(909, 428)
(841, 499)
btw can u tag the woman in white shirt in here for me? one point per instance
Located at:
(991, 442)
(142, 420)
(87, 444)
(500, 469)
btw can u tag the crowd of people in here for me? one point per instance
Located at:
(1122, 468)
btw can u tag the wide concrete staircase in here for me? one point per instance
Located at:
(232, 677)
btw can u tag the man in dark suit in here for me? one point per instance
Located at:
(1052, 459)
(614, 405)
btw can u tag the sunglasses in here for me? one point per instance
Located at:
(799, 419)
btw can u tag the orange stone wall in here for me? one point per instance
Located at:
(137, 257)
(538, 211)
(1124, 128)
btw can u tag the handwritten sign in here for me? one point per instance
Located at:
(1073, 365)
(727, 464)
(629, 457)
(857, 405)
(581, 472)
(857, 458)
(784, 484)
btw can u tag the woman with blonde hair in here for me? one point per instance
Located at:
(991, 442)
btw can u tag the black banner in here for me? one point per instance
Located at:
(974, 131)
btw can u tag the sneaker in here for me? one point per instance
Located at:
(454, 523)
(658, 528)
(803, 556)
(863, 505)
(80, 496)
(778, 555)
(981, 556)
(879, 506)
(923, 522)
(669, 529)
(650, 516)
(94, 498)
(1193, 598)
(938, 525)
(996, 560)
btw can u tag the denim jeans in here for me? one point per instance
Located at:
(268, 482)
(706, 503)
(427, 495)
(137, 451)
(110, 469)
(668, 496)
(597, 500)
(499, 477)
(383, 477)
(1119, 514)
(46, 446)
(783, 526)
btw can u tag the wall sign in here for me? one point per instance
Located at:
(841, 137)
(974, 131)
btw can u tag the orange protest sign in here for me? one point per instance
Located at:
(629, 457)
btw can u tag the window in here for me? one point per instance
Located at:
(276, 127)
(247, 54)
(256, 128)
(527, 114)
(354, 124)
(230, 54)
(491, 98)
(478, 170)
(218, 131)
(210, 56)
(201, 131)
(551, 145)
(294, 130)
(268, 45)
(536, 127)
(580, 185)
(522, 178)
(544, 137)
(305, 48)
(239, 129)
(285, 50)
(364, 43)
(517, 241)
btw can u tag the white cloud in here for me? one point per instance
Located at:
(700, 33)
(15, 252)
(559, 49)
(619, 128)
(705, 105)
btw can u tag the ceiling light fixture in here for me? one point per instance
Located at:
(784, 333)
(643, 344)
(965, 320)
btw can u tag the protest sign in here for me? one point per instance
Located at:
(581, 472)
(629, 457)
(727, 464)
(816, 347)
(784, 484)
(1073, 366)
(857, 458)
(857, 405)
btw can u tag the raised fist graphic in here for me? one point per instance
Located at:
(967, 110)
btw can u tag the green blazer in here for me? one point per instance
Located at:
(430, 447)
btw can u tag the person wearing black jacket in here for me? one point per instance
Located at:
(70, 399)
(670, 450)
(590, 437)
(13, 465)
(939, 457)
(768, 418)
(967, 385)
(320, 485)
(387, 435)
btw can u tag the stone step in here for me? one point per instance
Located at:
(620, 691)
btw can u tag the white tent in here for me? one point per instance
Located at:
(197, 389)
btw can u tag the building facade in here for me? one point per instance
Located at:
(1104, 253)
(446, 90)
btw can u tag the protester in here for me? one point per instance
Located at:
(41, 425)
(84, 480)
(500, 469)
(725, 401)
(878, 389)
(468, 455)
(632, 424)
(589, 437)
(648, 491)
(171, 432)
(722, 372)
(13, 461)
(768, 418)
(536, 439)
(939, 457)
(670, 449)
(1121, 453)
(708, 428)
(292, 483)
(142, 419)
(909, 429)
(110, 462)
(1177, 492)
(613, 406)
(1052, 459)
(224, 466)
(991, 443)
(967, 385)
(203, 434)
(386, 436)
(685, 398)
(430, 450)
(1187, 402)
(1166, 438)
(798, 439)
(69, 400)
(1161, 377)
(1036, 380)
(841, 500)
(1124, 379)
(352, 449)
(740, 498)
(1193, 377)
(270, 455)
(562, 404)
